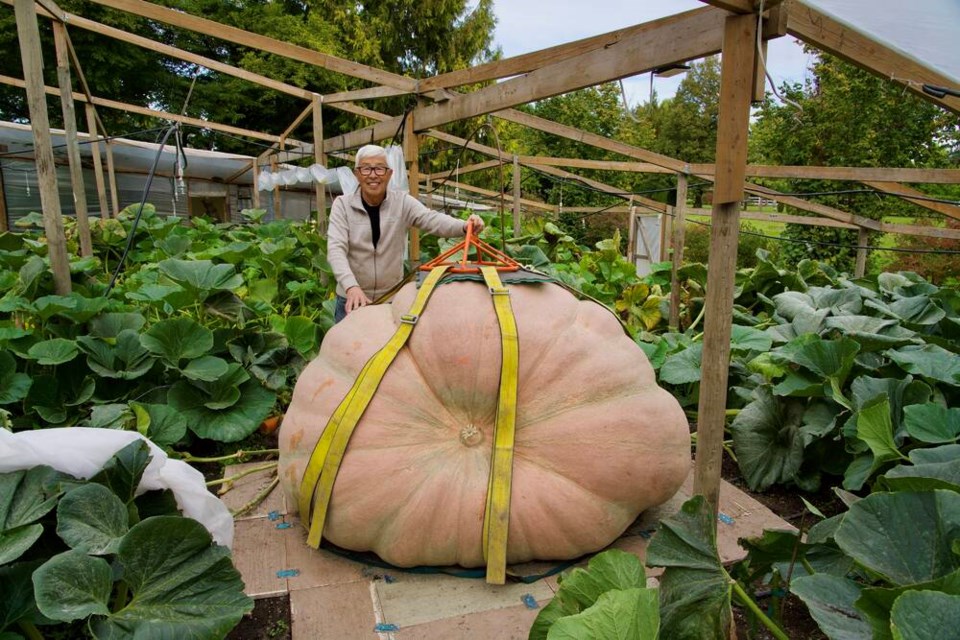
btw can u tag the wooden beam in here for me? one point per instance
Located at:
(861, 265)
(364, 94)
(4, 215)
(411, 154)
(297, 122)
(320, 158)
(534, 204)
(112, 179)
(28, 33)
(70, 137)
(615, 191)
(263, 43)
(741, 6)
(860, 174)
(529, 61)
(516, 197)
(676, 242)
(735, 83)
(949, 210)
(814, 207)
(164, 115)
(592, 139)
(824, 32)
(179, 54)
(459, 171)
(671, 40)
(599, 165)
(782, 218)
(97, 160)
(918, 230)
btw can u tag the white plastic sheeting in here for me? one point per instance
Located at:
(927, 31)
(339, 179)
(82, 452)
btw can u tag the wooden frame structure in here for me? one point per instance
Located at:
(727, 26)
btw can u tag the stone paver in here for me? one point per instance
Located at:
(335, 597)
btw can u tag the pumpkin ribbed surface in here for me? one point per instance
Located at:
(597, 441)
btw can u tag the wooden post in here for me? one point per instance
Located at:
(676, 242)
(97, 161)
(276, 190)
(112, 179)
(862, 239)
(632, 234)
(321, 158)
(256, 182)
(516, 196)
(4, 220)
(70, 133)
(29, 34)
(411, 154)
(736, 83)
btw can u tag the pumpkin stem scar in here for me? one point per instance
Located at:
(470, 436)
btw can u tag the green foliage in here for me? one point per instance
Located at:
(696, 244)
(73, 550)
(185, 343)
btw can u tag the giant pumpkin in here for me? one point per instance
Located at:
(597, 441)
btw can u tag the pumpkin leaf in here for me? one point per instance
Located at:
(252, 403)
(580, 589)
(930, 361)
(178, 339)
(72, 585)
(109, 325)
(876, 603)
(875, 427)
(17, 602)
(937, 468)
(206, 368)
(695, 590)
(932, 423)
(182, 585)
(53, 352)
(301, 333)
(621, 614)
(874, 530)
(201, 277)
(164, 424)
(830, 600)
(768, 439)
(92, 519)
(683, 367)
(122, 472)
(13, 386)
(126, 359)
(749, 339)
(918, 615)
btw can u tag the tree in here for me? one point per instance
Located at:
(849, 117)
(402, 36)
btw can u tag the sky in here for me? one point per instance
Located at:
(528, 25)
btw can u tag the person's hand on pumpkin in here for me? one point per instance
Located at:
(477, 223)
(356, 298)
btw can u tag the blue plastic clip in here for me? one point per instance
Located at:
(273, 515)
(530, 601)
(389, 579)
(288, 573)
(284, 525)
(383, 627)
(724, 518)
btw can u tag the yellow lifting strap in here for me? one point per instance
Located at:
(321, 471)
(496, 519)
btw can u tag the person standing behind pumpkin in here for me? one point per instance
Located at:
(368, 231)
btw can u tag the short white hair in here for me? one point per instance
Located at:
(370, 151)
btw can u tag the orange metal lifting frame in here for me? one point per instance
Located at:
(487, 255)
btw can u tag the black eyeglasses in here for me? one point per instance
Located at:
(366, 170)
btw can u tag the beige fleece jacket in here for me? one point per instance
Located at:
(350, 250)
